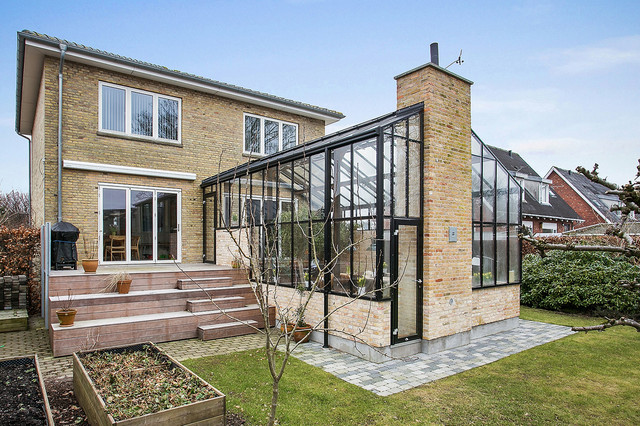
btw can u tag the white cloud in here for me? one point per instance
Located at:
(601, 56)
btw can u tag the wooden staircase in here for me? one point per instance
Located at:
(161, 306)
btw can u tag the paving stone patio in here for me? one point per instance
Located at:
(395, 375)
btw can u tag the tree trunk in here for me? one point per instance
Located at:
(274, 402)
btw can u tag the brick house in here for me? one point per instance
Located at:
(136, 139)
(543, 211)
(159, 160)
(587, 198)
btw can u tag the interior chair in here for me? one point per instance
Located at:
(135, 247)
(118, 247)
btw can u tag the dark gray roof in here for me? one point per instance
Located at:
(594, 192)
(557, 207)
(72, 46)
(512, 161)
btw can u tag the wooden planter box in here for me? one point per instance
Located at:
(207, 412)
(31, 360)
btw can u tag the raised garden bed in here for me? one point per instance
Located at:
(142, 385)
(23, 398)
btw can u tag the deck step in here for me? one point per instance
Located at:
(227, 329)
(202, 305)
(163, 327)
(113, 305)
(208, 282)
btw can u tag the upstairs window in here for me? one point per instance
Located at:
(138, 113)
(544, 193)
(264, 136)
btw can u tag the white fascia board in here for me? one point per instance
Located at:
(594, 208)
(182, 82)
(564, 219)
(126, 170)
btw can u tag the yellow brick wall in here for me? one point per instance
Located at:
(447, 297)
(37, 160)
(367, 321)
(212, 135)
(495, 304)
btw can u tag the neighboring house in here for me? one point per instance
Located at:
(587, 198)
(543, 212)
(158, 160)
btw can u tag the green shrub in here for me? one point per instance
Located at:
(580, 281)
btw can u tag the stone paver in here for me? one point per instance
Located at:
(397, 375)
(36, 341)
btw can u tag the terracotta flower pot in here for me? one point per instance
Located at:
(90, 265)
(66, 317)
(124, 286)
(302, 334)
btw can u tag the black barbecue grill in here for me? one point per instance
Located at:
(64, 253)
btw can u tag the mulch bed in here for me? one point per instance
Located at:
(64, 405)
(21, 401)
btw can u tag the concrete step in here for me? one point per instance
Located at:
(164, 327)
(208, 282)
(226, 329)
(114, 305)
(203, 305)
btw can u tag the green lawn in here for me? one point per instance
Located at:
(582, 379)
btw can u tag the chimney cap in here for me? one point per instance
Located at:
(434, 53)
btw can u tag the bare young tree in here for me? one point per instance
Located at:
(14, 209)
(256, 244)
(629, 207)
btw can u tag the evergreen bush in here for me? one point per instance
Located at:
(584, 282)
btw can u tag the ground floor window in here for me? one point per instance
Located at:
(139, 224)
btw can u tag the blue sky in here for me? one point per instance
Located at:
(555, 81)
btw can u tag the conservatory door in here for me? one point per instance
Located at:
(406, 269)
(139, 224)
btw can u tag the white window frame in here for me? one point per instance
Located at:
(262, 119)
(128, 189)
(127, 114)
(543, 193)
(552, 226)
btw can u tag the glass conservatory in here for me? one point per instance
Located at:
(350, 204)
(496, 217)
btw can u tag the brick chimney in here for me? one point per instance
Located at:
(447, 296)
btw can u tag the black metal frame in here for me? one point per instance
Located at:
(373, 130)
(205, 200)
(494, 223)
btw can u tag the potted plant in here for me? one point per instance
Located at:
(120, 282)
(235, 263)
(90, 262)
(67, 314)
(361, 285)
(302, 329)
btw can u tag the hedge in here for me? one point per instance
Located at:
(18, 249)
(584, 282)
(601, 240)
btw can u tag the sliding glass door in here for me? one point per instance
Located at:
(139, 224)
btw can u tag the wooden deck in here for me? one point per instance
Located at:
(163, 305)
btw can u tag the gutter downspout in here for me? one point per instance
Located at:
(63, 49)
(29, 140)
